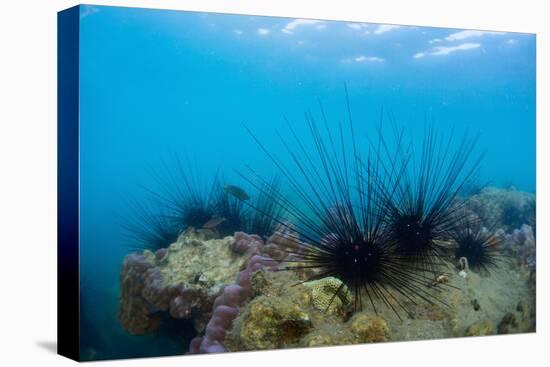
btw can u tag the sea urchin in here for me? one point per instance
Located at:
(344, 200)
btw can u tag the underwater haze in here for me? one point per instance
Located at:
(157, 84)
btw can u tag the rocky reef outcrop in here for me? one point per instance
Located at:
(182, 280)
(521, 244)
(266, 309)
(264, 256)
(512, 215)
(286, 313)
(242, 293)
(506, 209)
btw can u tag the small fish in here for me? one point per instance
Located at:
(236, 192)
(214, 222)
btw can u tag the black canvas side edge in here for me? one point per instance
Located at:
(68, 24)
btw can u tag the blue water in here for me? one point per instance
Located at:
(157, 83)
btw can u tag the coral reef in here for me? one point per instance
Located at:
(504, 208)
(134, 311)
(513, 214)
(521, 244)
(183, 280)
(276, 309)
(226, 305)
(226, 308)
(286, 313)
(282, 243)
(239, 300)
(247, 243)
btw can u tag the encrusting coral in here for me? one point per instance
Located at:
(329, 294)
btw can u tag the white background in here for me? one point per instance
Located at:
(28, 182)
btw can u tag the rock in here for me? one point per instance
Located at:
(182, 281)
(286, 313)
(520, 307)
(510, 207)
(480, 328)
(507, 323)
(134, 311)
(369, 329)
(318, 339)
(269, 324)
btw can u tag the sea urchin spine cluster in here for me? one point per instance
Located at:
(381, 222)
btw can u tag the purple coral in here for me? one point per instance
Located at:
(226, 307)
(247, 243)
(520, 243)
(143, 293)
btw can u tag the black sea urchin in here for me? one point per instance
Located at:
(477, 244)
(343, 200)
(264, 219)
(425, 211)
(146, 227)
(187, 202)
(230, 210)
(233, 204)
